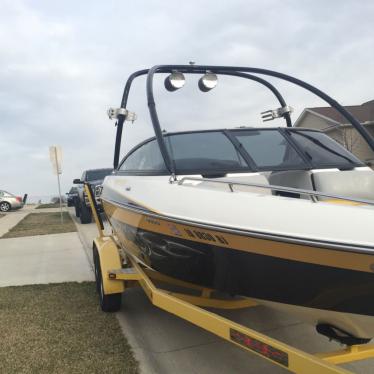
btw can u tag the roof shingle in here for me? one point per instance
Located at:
(363, 112)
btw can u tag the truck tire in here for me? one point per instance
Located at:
(77, 210)
(85, 214)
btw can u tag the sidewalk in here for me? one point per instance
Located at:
(10, 220)
(43, 259)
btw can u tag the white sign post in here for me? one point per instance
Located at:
(55, 154)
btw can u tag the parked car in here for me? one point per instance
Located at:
(95, 178)
(71, 196)
(9, 201)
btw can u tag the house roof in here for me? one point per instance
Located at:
(363, 112)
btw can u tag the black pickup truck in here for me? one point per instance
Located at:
(71, 195)
(95, 178)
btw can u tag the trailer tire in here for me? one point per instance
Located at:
(95, 257)
(85, 214)
(109, 303)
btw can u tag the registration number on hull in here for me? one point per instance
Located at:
(192, 233)
(206, 236)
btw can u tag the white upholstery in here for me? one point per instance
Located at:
(292, 178)
(351, 183)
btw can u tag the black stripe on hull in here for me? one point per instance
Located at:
(253, 275)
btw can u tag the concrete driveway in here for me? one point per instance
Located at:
(164, 343)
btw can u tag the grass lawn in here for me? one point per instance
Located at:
(50, 205)
(60, 328)
(42, 224)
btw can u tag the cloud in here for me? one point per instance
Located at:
(62, 64)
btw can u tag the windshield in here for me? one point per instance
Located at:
(257, 150)
(211, 151)
(322, 150)
(92, 175)
(269, 149)
(6, 193)
(219, 152)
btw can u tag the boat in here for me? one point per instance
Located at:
(281, 215)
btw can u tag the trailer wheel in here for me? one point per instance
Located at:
(108, 303)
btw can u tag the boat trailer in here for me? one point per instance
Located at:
(117, 270)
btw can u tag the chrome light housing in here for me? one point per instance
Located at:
(208, 82)
(174, 81)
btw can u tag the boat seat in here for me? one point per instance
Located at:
(291, 178)
(350, 183)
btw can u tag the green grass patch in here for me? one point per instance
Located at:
(50, 205)
(60, 328)
(42, 224)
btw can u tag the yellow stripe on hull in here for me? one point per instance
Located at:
(289, 251)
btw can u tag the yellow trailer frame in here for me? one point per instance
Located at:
(116, 271)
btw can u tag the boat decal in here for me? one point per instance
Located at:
(174, 229)
(206, 264)
(309, 252)
(259, 347)
(136, 204)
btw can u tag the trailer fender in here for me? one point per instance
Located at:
(109, 259)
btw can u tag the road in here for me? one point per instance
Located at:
(166, 344)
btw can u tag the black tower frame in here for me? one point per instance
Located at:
(242, 72)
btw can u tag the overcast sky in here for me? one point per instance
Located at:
(63, 64)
